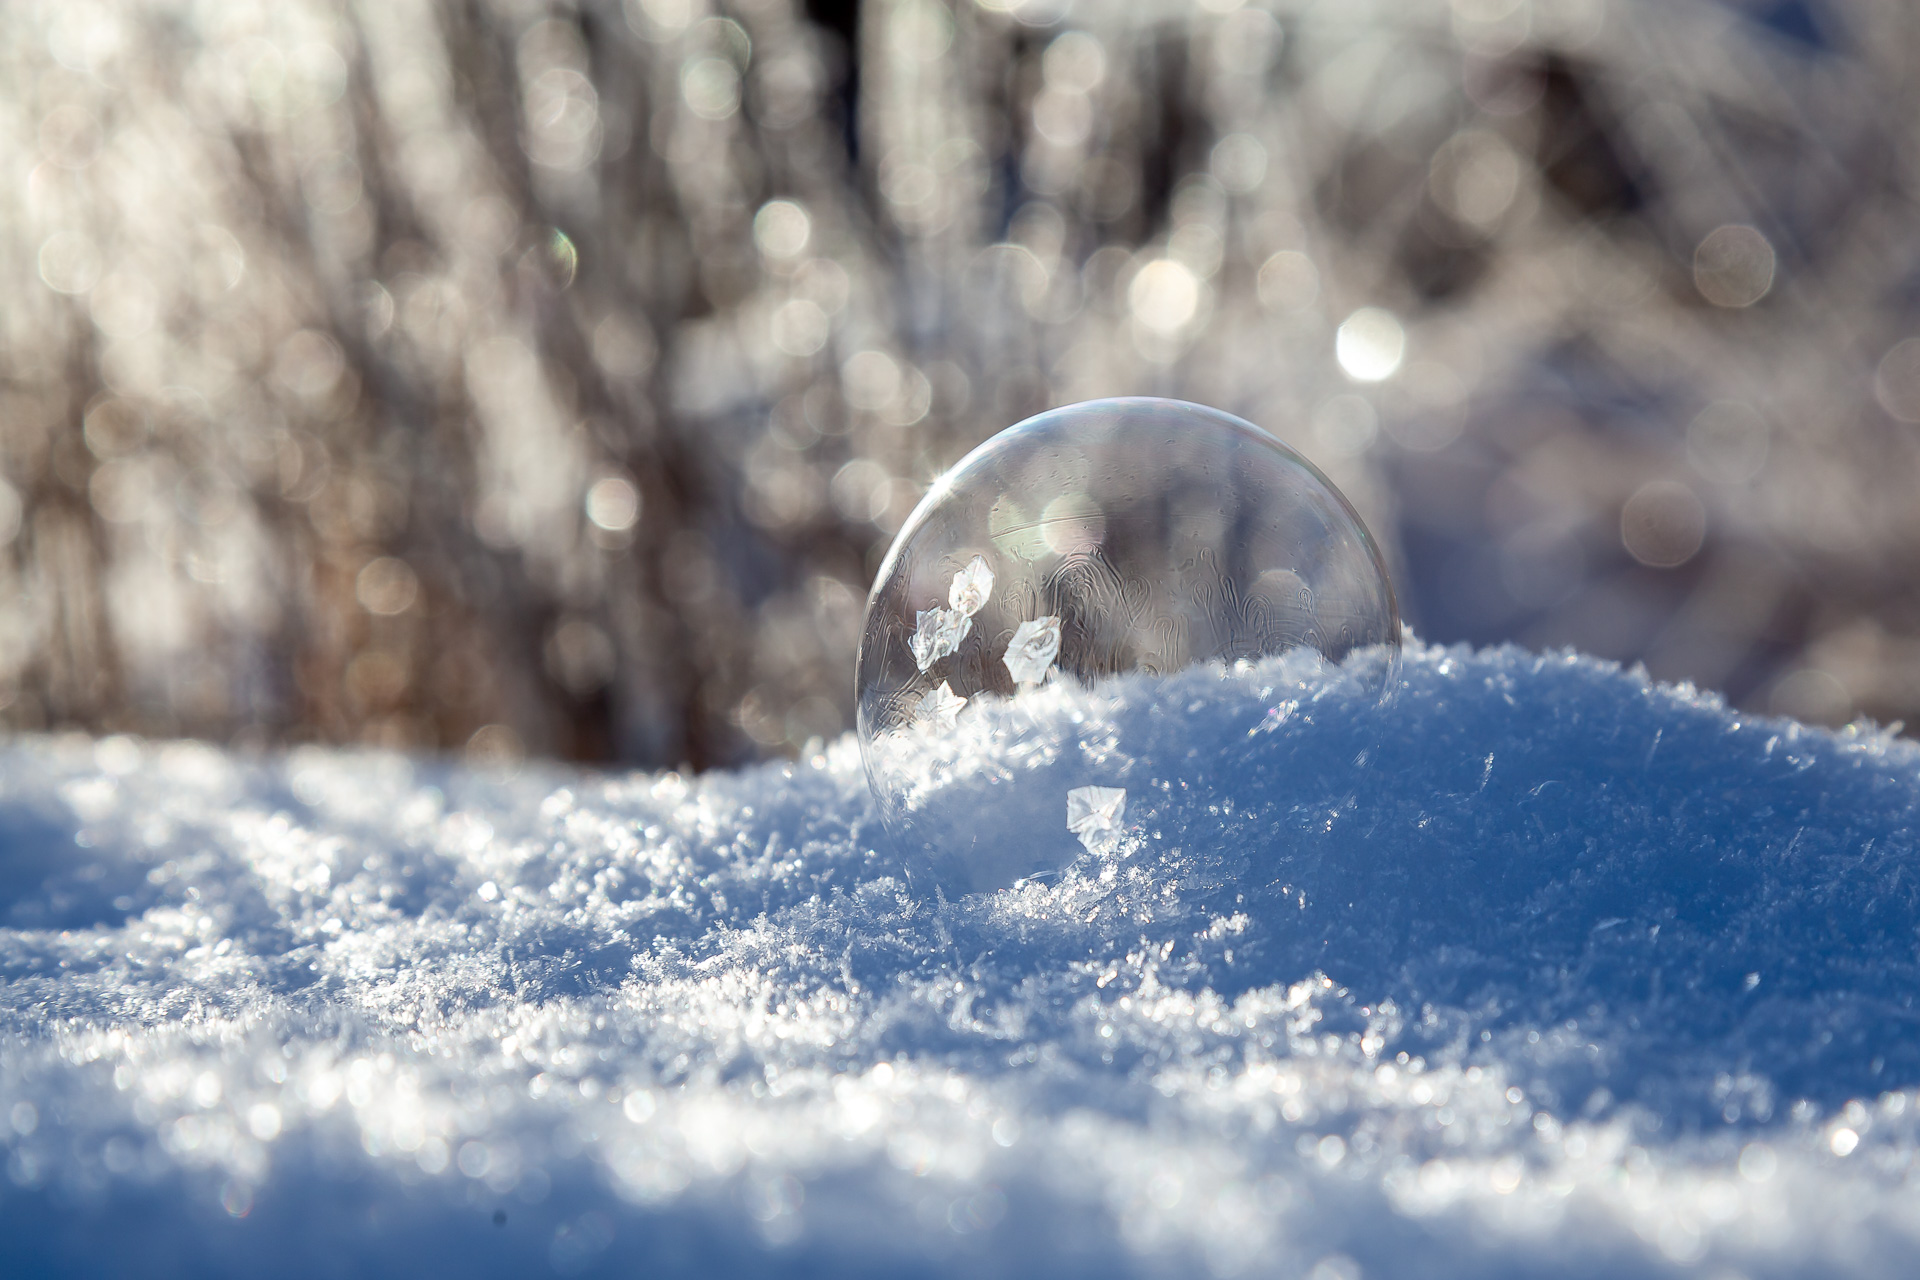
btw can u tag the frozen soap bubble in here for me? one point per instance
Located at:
(1075, 622)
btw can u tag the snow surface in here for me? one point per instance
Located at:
(976, 805)
(1556, 972)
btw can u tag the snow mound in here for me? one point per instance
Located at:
(1549, 971)
(974, 796)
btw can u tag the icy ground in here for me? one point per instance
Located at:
(1562, 975)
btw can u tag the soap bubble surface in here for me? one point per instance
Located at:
(1071, 591)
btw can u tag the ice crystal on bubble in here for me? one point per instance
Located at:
(1095, 814)
(941, 707)
(1031, 652)
(972, 586)
(938, 633)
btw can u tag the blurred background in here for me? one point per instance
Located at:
(514, 377)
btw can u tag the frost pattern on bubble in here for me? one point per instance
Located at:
(1095, 814)
(937, 633)
(972, 587)
(940, 707)
(1031, 652)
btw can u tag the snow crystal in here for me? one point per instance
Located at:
(1031, 652)
(1551, 971)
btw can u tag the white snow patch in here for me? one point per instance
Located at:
(1465, 994)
